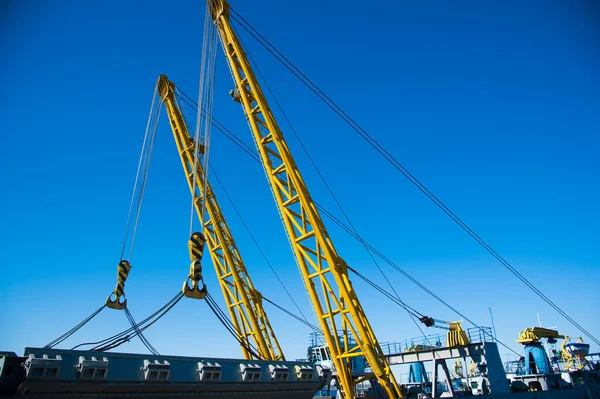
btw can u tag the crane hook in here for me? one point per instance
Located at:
(194, 286)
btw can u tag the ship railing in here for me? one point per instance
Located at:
(404, 378)
(476, 335)
(317, 338)
(482, 334)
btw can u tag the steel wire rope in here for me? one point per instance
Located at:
(134, 207)
(412, 315)
(138, 196)
(397, 165)
(127, 331)
(249, 151)
(211, 303)
(237, 141)
(127, 337)
(141, 174)
(143, 338)
(212, 60)
(231, 136)
(329, 189)
(73, 330)
(220, 127)
(228, 324)
(415, 281)
(239, 215)
(205, 91)
(130, 336)
(413, 312)
(301, 320)
(142, 189)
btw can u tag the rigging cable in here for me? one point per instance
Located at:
(205, 99)
(221, 316)
(228, 324)
(139, 333)
(305, 321)
(141, 176)
(122, 340)
(220, 127)
(301, 320)
(408, 276)
(137, 197)
(126, 335)
(73, 330)
(246, 148)
(134, 210)
(322, 177)
(398, 166)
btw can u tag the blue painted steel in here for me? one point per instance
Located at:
(536, 359)
(417, 373)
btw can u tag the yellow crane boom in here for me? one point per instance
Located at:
(324, 272)
(244, 302)
(535, 334)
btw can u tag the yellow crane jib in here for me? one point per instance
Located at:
(117, 300)
(323, 270)
(535, 334)
(191, 287)
(243, 302)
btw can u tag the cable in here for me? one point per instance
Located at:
(348, 230)
(122, 340)
(413, 314)
(205, 99)
(218, 312)
(328, 214)
(139, 333)
(125, 332)
(73, 330)
(415, 281)
(397, 165)
(412, 311)
(246, 148)
(338, 203)
(127, 338)
(226, 132)
(141, 176)
(258, 246)
(301, 320)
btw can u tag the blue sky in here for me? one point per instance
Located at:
(493, 105)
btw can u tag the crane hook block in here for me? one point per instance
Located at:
(196, 246)
(117, 300)
(194, 287)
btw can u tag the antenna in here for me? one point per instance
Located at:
(493, 325)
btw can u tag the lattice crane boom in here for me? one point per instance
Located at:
(324, 272)
(244, 302)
